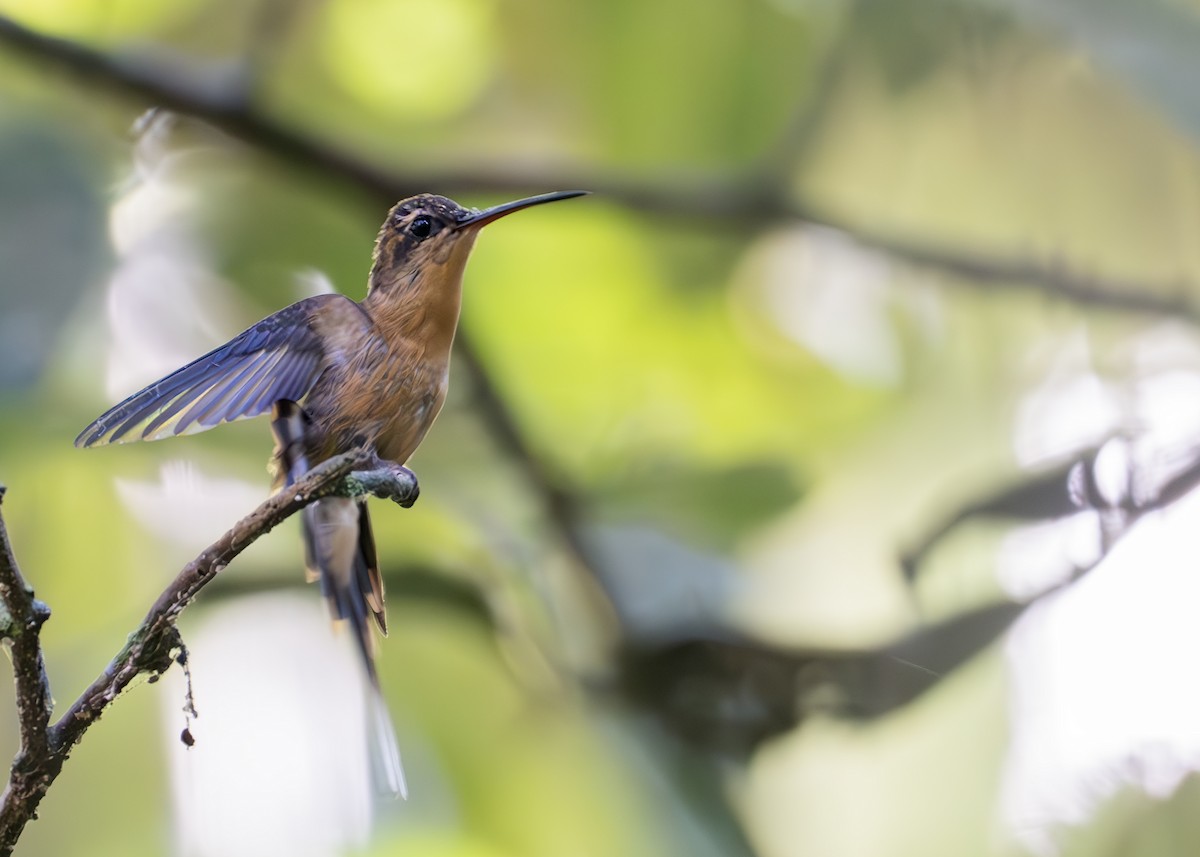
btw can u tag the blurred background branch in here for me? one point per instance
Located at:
(754, 200)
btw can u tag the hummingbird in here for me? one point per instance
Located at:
(337, 375)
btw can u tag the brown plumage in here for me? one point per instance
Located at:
(337, 375)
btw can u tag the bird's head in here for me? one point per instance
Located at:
(431, 236)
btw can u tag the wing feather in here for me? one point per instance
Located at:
(204, 407)
(276, 386)
(252, 380)
(281, 357)
(244, 366)
(261, 376)
(146, 405)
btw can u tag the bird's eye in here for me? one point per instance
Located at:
(421, 227)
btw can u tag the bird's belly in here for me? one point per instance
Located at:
(402, 431)
(390, 411)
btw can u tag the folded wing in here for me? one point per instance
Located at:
(281, 357)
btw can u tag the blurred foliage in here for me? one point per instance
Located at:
(754, 420)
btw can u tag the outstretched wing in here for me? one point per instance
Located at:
(278, 358)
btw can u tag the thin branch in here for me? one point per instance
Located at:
(154, 645)
(1170, 299)
(22, 623)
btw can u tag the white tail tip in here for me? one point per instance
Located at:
(386, 766)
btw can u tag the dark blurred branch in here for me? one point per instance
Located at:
(1068, 489)
(560, 505)
(802, 129)
(729, 693)
(1043, 496)
(271, 21)
(748, 201)
(155, 644)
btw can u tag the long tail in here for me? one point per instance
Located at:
(339, 551)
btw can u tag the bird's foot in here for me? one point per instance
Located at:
(388, 481)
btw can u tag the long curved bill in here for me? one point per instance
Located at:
(482, 218)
